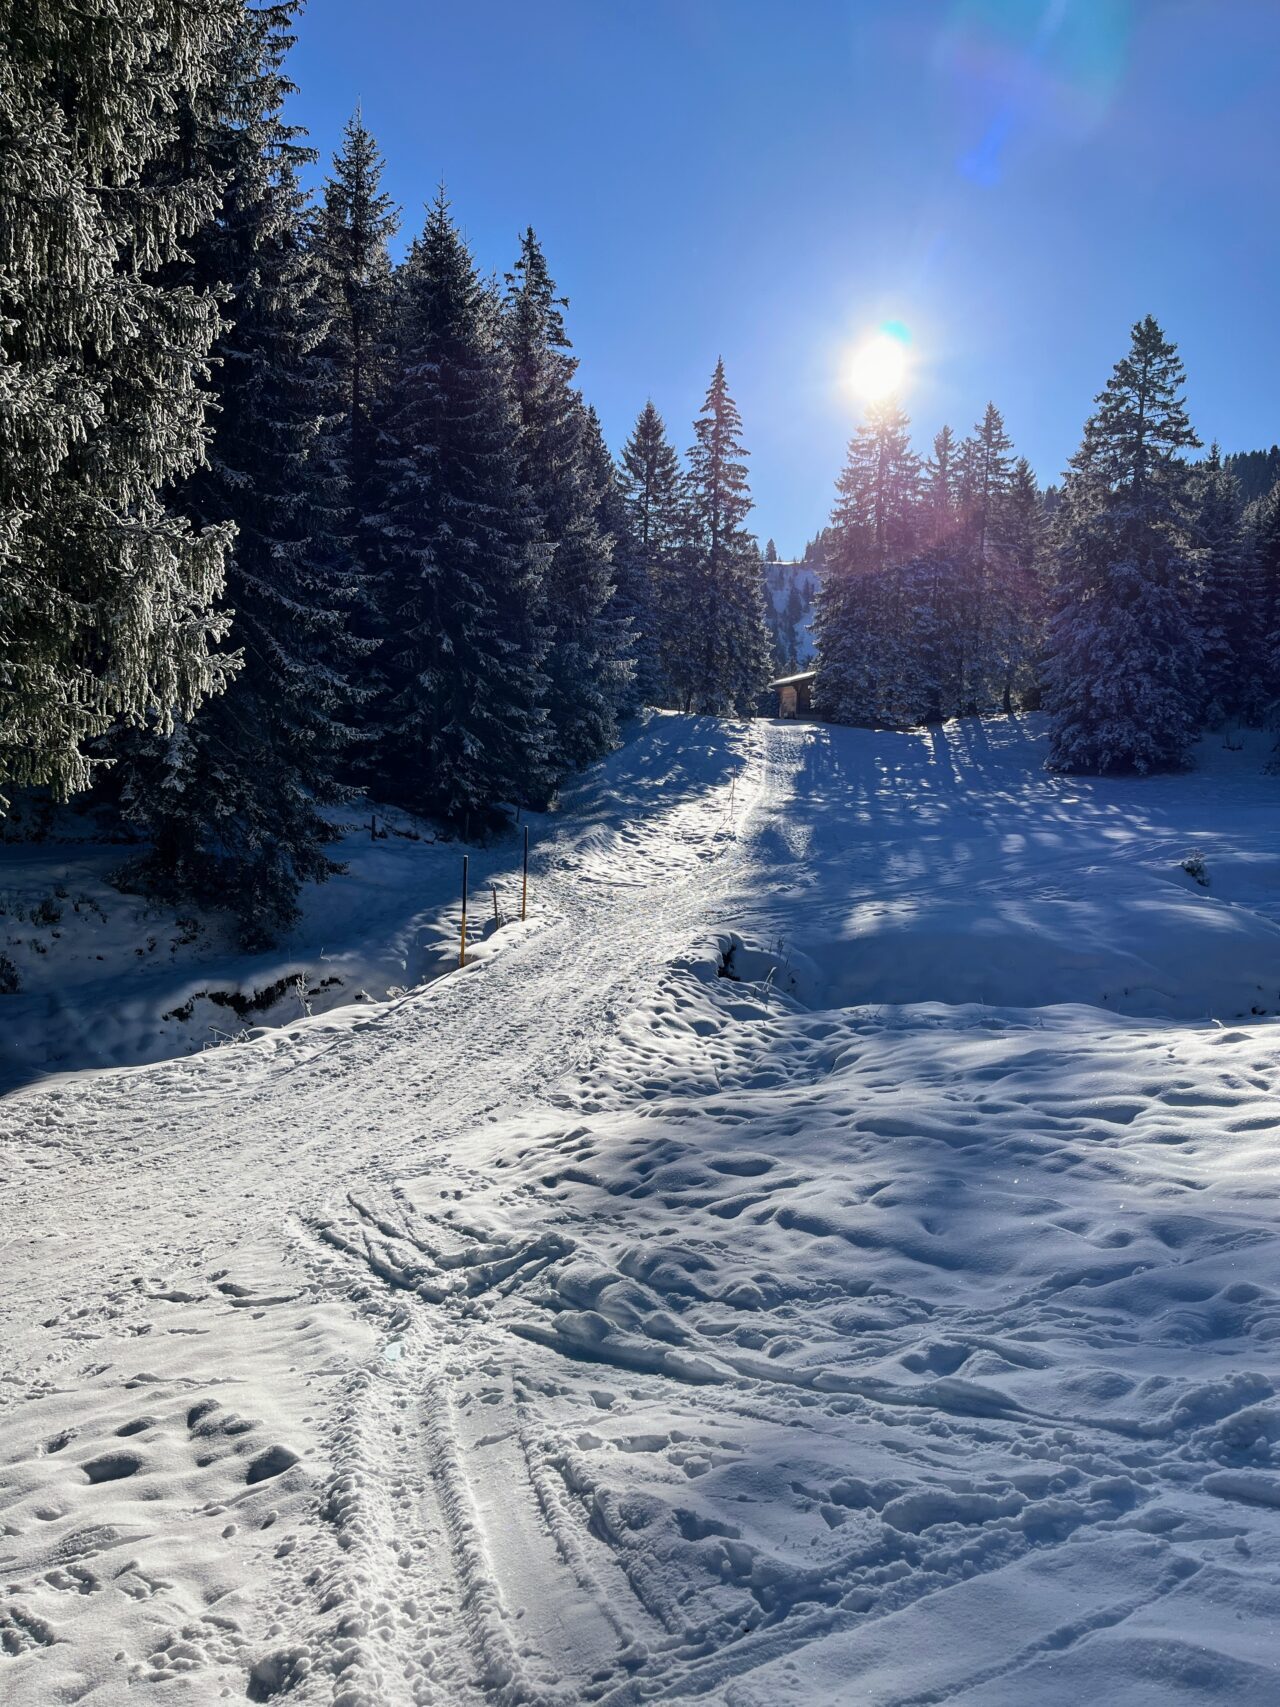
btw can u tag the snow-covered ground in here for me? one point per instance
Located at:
(112, 979)
(891, 1321)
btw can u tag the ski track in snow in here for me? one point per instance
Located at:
(589, 1327)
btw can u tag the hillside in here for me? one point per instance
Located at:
(791, 590)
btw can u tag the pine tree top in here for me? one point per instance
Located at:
(358, 216)
(877, 489)
(651, 480)
(717, 473)
(533, 306)
(1136, 436)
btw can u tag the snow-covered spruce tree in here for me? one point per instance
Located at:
(731, 656)
(464, 725)
(654, 489)
(107, 588)
(1122, 672)
(793, 616)
(1023, 528)
(985, 475)
(230, 801)
(653, 483)
(938, 491)
(1232, 618)
(861, 633)
(585, 672)
(355, 222)
(631, 609)
(987, 614)
(921, 683)
(1262, 520)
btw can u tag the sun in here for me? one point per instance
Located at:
(879, 365)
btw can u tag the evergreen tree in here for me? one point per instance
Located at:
(1263, 543)
(793, 616)
(731, 659)
(652, 483)
(985, 478)
(107, 589)
(876, 519)
(1025, 568)
(1233, 667)
(631, 609)
(941, 582)
(653, 488)
(1023, 524)
(771, 552)
(927, 683)
(1122, 671)
(986, 602)
(356, 221)
(586, 672)
(862, 637)
(939, 496)
(464, 726)
(230, 801)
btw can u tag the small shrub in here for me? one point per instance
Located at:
(10, 983)
(1195, 867)
(46, 912)
(188, 931)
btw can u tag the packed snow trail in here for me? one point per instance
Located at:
(591, 1327)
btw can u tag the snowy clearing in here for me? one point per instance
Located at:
(891, 1320)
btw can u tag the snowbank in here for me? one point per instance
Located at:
(110, 980)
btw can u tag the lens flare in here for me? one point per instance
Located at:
(879, 365)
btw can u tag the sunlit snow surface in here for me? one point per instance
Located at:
(894, 1322)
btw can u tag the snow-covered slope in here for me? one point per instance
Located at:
(791, 591)
(891, 1320)
(112, 979)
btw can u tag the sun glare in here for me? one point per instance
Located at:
(879, 365)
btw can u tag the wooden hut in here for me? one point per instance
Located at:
(795, 694)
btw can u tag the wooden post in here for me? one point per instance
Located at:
(524, 882)
(462, 952)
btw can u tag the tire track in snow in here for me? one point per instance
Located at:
(501, 1502)
(239, 1143)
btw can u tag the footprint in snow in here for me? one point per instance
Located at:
(273, 1462)
(112, 1466)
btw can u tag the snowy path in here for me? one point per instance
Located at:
(586, 1327)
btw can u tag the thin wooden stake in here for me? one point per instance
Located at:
(524, 883)
(462, 952)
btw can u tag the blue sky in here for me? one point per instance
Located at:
(1016, 181)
